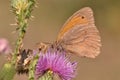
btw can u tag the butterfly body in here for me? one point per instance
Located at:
(53, 47)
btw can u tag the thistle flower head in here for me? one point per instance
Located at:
(56, 63)
(4, 46)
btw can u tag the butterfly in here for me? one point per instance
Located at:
(79, 35)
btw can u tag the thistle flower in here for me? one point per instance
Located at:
(57, 63)
(4, 46)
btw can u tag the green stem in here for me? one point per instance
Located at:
(22, 10)
(32, 68)
(47, 76)
(21, 34)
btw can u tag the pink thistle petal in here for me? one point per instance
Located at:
(58, 63)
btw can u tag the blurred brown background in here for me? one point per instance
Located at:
(50, 15)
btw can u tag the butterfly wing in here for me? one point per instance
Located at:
(79, 34)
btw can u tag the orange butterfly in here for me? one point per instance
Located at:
(78, 35)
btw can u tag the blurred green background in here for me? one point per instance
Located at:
(50, 15)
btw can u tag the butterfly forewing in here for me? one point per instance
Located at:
(79, 34)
